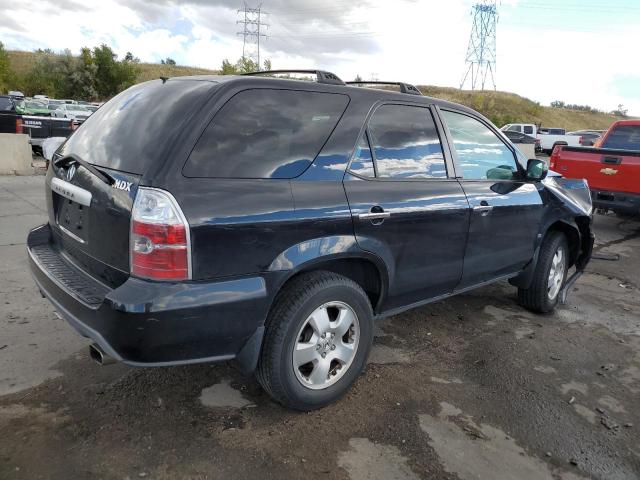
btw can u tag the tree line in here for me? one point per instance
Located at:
(620, 111)
(96, 74)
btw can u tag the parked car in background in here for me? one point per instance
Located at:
(43, 98)
(32, 107)
(549, 137)
(37, 127)
(10, 119)
(587, 137)
(521, 138)
(16, 94)
(79, 113)
(272, 225)
(612, 169)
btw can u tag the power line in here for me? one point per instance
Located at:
(251, 22)
(481, 53)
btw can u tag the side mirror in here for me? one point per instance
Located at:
(537, 170)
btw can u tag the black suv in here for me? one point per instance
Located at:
(271, 220)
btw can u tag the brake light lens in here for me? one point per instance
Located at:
(19, 128)
(554, 156)
(160, 241)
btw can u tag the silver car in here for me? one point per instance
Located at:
(78, 113)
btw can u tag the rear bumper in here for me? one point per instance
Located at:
(144, 323)
(621, 202)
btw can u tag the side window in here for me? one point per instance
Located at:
(266, 133)
(6, 104)
(481, 153)
(362, 163)
(528, 130)
(405, 143)
(515, 128)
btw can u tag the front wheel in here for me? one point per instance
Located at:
(318, 337)
(548, 279)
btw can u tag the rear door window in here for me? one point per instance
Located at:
(266, 133)
(623, 137)
(405, 143)
(528, 130)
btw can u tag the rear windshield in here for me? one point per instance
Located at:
(266, 133)
(137, 127)
(623, 137)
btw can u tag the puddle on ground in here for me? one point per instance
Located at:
(473, 451)
(366, 460)
(383, 355)
(574, 386)
(33, 416)
(545, 369)
(523, 332)
(445, 381)
(500, 314)
(611, 404)
(223, 395)
(586, 413)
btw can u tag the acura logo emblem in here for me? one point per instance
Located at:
(71, 171)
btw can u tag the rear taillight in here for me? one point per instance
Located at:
(160, 242)
(554, 157)
(19, 128)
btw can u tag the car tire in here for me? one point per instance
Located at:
(297, 323)
(543, 294)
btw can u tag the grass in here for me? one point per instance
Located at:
(499, 107)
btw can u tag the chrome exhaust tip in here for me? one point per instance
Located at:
(97, 355)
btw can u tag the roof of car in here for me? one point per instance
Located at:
(372, 93)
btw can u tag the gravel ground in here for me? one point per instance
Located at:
(473, 387)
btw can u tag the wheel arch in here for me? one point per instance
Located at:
(573, 231)
(365, 269)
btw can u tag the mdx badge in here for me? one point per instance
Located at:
(122, 185)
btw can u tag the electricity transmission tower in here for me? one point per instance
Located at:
(481, 53)
(251, 23)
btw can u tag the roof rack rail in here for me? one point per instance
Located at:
(404, 87)
(321, 75)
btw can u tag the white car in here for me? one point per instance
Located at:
(549, 137)
(78, 113)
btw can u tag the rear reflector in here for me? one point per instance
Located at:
(160, 241)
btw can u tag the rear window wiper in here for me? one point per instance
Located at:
(106, 178)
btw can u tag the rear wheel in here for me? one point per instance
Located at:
(548, 279)
(319, 333)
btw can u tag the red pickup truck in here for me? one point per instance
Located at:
(612, 169)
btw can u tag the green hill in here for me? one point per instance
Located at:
(500, 107)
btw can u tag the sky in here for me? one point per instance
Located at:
(578, 51)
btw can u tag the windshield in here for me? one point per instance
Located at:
(35, 105)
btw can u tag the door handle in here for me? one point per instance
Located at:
(375, 213)
(483, 209)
